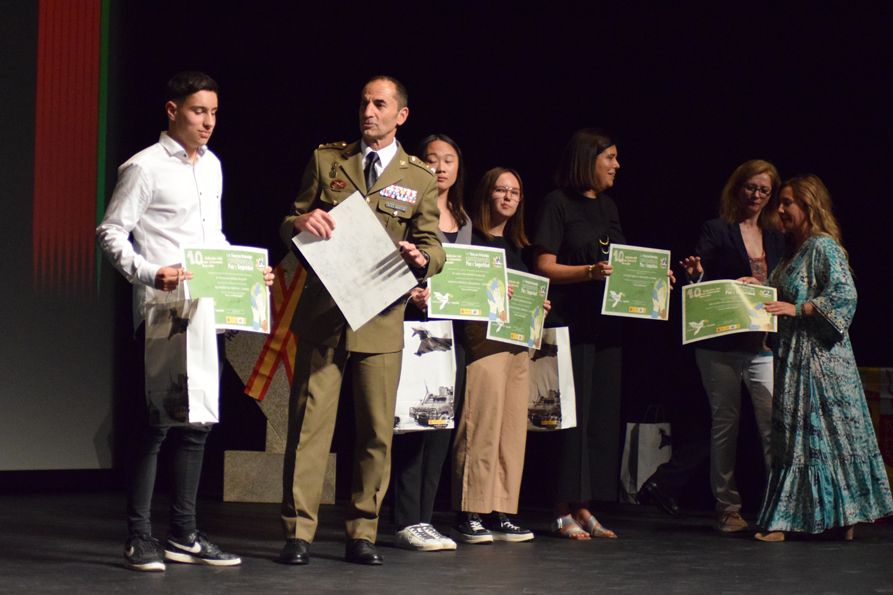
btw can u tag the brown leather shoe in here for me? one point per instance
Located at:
(771, 537)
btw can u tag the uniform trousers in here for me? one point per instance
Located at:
(312, 413)
(488, 452)
(721, 374)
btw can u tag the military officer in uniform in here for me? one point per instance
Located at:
(401, 191)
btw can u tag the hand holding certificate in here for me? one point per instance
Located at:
(472, 285)
(234, 277)
(639, 286)
(715, 308)
(358, 263)
(528, 312)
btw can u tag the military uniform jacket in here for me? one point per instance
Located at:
(404, 199)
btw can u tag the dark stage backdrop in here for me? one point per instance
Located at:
(690, 90)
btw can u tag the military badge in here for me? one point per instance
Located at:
(338, 185)
(400, 193)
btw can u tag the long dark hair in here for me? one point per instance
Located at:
(482, 219)
(455, 195)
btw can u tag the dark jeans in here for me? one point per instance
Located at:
(187, 444)
(589, 463)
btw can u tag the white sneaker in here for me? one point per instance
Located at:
(445, 542)
(416, 537)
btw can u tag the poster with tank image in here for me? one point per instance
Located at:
(552, 402)
(426, 393)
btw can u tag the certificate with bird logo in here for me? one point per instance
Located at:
(639, 286)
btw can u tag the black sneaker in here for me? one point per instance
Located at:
(198, 550)
(143, 552)
(503, 529)
(470, 529)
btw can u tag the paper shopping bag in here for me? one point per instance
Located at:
(182, 376)
(552, 401)
(647, 446)
(426, 394)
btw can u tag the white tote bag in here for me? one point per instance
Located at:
(552, 402)
(182, 371)
(647, 447)
(426, 394)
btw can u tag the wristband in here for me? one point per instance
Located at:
(797, 309)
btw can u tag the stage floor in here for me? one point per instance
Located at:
(73, 543)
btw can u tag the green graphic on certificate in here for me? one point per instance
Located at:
(234, 277)
(638, 287)
(527, 312)
(715, 308)
(471, 285)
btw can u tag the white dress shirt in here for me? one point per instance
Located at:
(385, 155)
(164, 202)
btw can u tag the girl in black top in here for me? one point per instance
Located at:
(491, 434)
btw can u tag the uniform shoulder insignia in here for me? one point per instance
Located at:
(337, 145)
(421, 164)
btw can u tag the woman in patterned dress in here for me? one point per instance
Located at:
(827, 472)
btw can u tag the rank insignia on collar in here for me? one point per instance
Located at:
(338, 185)
(400, 193)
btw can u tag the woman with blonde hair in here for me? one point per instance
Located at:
(827, 472)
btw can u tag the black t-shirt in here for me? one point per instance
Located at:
(579, 230)
(513, 259)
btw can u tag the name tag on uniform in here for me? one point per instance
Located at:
(400, 193)
(396, 206)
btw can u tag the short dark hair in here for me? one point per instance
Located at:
(402, 93)
(576, 170)
(183, 84)
(456, 193)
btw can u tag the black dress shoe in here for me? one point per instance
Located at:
(362, 551)
(650, 493)
(295, 551)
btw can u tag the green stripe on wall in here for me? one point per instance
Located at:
(102, 126)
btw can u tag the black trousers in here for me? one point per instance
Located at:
(417, 460)
(589, 461)
(144, 444)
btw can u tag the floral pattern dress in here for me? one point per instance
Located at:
(827, 470)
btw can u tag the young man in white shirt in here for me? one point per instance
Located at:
(167, 195)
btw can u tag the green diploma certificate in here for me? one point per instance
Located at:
(234, 277)
(715, 308)
(471, 286)
(527, 312)
(638, 287)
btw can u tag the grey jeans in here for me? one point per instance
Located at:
(722, 373)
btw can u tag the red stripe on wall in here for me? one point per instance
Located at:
(67, 119)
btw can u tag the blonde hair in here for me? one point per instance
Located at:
(815, 199)
(730, 205)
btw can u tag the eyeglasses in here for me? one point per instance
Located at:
(754, 189)
(512, 193)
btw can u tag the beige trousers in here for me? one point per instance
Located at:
(488, 451)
